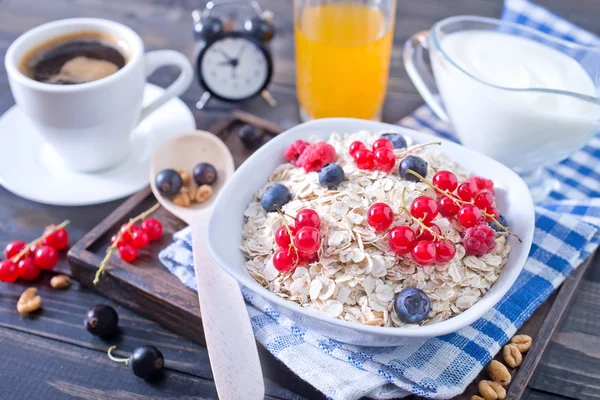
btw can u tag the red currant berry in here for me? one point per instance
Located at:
(307, 240)
(448, 208)
(385, 160)
(424, 253)
(14, 248)
(113, 239)
(445, 250)
(424, 234)
(402, 239)
(153, 228)
(469, 216)
(356, 146)
(284, 260)
(34, 248)
(126, 232)
(308, 217)
(139, 239)
(293, 229)
(58, 239)
(364, 159)
(380, 216)
(466, 191)
(445, 180)
(493, 212)
(424, 208)
(282, 238)
(8, 271)
(309, 258)
(484, 199)
(27, 269)
(128, 253)
(383, 144)
(45, 257)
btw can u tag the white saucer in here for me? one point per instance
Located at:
(31, 169)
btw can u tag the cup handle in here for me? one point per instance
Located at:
(423, 80)
(160, 58)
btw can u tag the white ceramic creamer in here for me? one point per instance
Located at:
(520, 128)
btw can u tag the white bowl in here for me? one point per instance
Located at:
(226, 223)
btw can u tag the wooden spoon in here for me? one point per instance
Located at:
(229, 338)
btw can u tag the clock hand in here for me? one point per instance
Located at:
(227, 56)
(241, 51)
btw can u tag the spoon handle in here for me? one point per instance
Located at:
(229, 338)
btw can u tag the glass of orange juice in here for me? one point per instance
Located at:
(343, 56)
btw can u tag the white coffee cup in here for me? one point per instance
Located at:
(89, 124)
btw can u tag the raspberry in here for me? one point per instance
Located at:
(482, 183)
(295, 150)
(479, 240)
(316, 156)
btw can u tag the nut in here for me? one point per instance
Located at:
(475, 397)
(512, 355)
(182, 199)
(499, 373)
(29, 301)
(60, 282)
(491, 390)
(523, 342)
(203, 193)
(185, 176)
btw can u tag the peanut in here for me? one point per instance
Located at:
(499, 373)
(29, 301)
(182, 199)
(523, 342)
(185, 176)
(491, 390)
(60, 282)
(203, 193)
(475, 397)
(512, 355)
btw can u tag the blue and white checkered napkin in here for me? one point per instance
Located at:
(442, 367)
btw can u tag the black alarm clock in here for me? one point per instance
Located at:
(233, 65)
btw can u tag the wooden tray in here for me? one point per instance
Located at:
(147, 288)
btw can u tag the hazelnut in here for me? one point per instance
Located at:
(29, 301)
(60, 282)
(499, 373)
(203, 193)
(512, 355)
(523, 342)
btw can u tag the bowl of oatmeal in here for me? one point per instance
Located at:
(373, 234)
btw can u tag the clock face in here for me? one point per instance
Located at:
(234, 67)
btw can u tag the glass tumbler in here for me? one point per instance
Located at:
(343, 53)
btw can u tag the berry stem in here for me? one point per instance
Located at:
(25, 250)
(419, 221)
(403, 153)
(289, 231)
(116, 359)
(458, 201)
(113, 246)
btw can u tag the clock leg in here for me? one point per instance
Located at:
(268, 98)
(203, 100)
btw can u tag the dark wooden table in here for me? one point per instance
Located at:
(51, 356)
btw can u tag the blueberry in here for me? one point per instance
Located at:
(495, 226)
(102, 320)
(168, 182)
(275, 195)
(413, 163)
(205, 174)
(251, 136)
(147, 362)
(331, 175)
(397, 139)
(412, 305)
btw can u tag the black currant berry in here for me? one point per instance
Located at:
(168, 182)
(146, 361)
(102, 320)
(205, 174)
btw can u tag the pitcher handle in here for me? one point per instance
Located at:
(412, 56)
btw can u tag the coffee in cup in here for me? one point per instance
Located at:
(74, 58)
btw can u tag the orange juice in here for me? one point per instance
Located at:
(342, 60)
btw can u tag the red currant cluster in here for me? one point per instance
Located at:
(381, 157)
(311, 157)
(131, 238)
(298, 243)
(26, 261)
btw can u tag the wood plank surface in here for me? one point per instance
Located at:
(51, 356)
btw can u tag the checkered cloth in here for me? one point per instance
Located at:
(442, 367)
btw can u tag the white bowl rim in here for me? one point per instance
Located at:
(450, 325)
